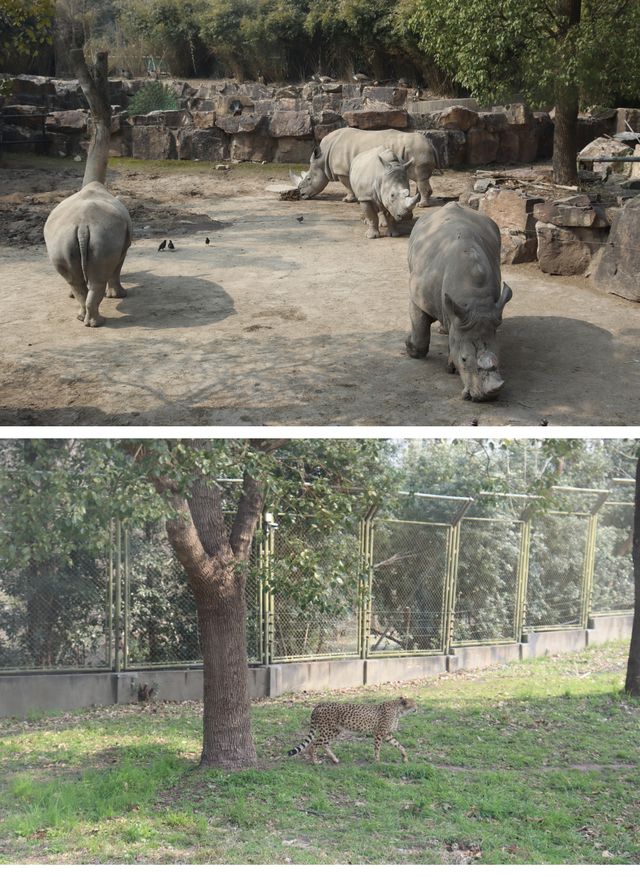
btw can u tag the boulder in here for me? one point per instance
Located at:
(322, 102)
(68, 121)
(516, 113)
(627, 116)
(379, 94)
(572, 215)
(527, 143)
(618, 267)
(35, 90)
(24, 115)
(482, 146)
(230, 104)
(376, 118)
(492, 121)
(241, 124)
(351, 90)
(153, 143)
(202, 144)
(508, 146)
(291, 104)
(567, 251)
(459, 117)
(517, 247)
(605, 146)
(433, 106)
(252, 146)
(293, 150)
(203, 118)
(290, 123)
(288, 92)
(332, 87)
(509, 209)
(310, 90)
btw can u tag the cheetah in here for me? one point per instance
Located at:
(375, 720)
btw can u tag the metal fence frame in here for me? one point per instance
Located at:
(118, 593)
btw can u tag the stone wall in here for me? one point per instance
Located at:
(227, 121)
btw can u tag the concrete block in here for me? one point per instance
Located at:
(377, 670)
(550, 642)
(21, 695)
(609, 628)
(477, 657)
(315, 675)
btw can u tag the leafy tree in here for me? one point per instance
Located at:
(560, 52)
(26, 26)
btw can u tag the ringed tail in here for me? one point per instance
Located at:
(308, 740)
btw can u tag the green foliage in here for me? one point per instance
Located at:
(496, 49)
(25, 27)
(152, 96)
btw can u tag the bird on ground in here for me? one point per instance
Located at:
(207, 241)
(300, 218)
(162, 245)
(170, 245)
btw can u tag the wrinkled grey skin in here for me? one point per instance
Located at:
(87, 237)
(332, 159)
(380, 183)
(454, 261)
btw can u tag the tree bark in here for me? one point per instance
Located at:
(567, 99)
(632, 683)
(96, 91)
(215, 563)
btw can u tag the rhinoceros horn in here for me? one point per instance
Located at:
(296, 179)
(411, 202)
(505, 296)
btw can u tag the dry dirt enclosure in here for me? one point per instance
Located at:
(288, 316)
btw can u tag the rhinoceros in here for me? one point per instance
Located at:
(454, 263)
(379, 181)
(331, 160)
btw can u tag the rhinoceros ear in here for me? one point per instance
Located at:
(316, 152)
(454, 308)
(505, 296)
(408, 163)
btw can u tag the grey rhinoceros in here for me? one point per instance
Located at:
(379, 181)
(454, 262)
(332, 159)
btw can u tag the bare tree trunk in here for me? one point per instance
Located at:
(96, 91)
(215, 562)
(567, 99)
(632, 683)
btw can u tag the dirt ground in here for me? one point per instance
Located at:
(289, 316)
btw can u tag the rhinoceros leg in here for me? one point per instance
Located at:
(424, 187)
(417, 342)
(349, 196)
(79, 292)
(370, 218)
(115, 288)
(96, 293)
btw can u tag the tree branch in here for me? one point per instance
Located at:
(96, 91)
(246, 519)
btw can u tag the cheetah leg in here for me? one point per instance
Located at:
(311, 752)
(399, 746)
(331, 755)
(377, 743)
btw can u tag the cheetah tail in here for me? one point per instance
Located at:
(308, 740)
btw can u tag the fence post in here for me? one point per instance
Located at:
(366, 582)
(522, 579)
(118, 598)
(109, 606)
(127, 603)
(267, 593)
(449, 595)
(588, 570)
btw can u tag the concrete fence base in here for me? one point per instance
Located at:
(21, 695)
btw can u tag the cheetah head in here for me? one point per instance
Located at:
(407, 705)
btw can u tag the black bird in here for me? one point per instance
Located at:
(300, 218)
(162, 246)
(474, 421)
(207, 241)
(171, 247)
(544, 422)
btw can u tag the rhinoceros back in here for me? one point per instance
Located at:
(340, 147)
(454, 250)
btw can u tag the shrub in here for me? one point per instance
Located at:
(152, 96)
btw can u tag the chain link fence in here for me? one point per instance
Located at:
(411, 567)
(487, 580)
(370, 587)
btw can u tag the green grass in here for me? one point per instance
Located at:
(536, 762)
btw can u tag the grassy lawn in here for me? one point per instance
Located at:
(536, 762)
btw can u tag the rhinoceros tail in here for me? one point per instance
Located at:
(82, 233)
